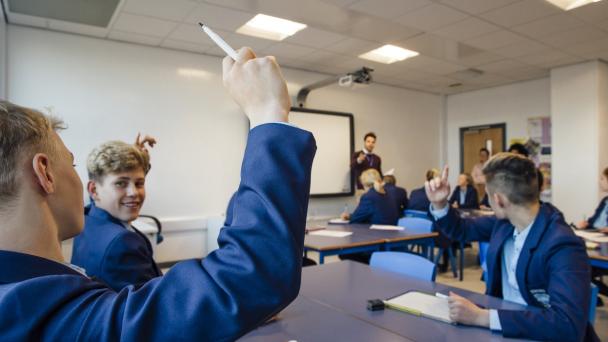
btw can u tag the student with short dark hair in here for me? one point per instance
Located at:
(365, 159)
(464, 195)
(418, 200)
(396, 193)
(520, 149)
(254, 274)
(534, 258)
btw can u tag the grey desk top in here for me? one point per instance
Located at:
(362, 236)
(306, 320)
(346, 286)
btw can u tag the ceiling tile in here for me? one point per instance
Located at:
(593, 12)
(437, 81)
(370, 28)
(340, 3)
(86, 30)
(502, 66)
(352, 46)
(522, 48)
(412, 74)
(237, 40)
(219, 17)
(587, 49)
(431, 65)
(134, 38)
(545, 26)
(388, 9)
(185, 46)
(326, 58)
(287, 50)
(27, 20)
(477, 59)
(143, 25)
(545, 58)
(431, 17)
(174, 10)
(316, 38)
(466, 29)
(495, 40)
(477, 6)
(520, 12)
(574, 36)
(190, 33)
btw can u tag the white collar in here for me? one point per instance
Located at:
(366, 151)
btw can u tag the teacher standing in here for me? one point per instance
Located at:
(365, 159)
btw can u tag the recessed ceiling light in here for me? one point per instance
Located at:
(388, 54)
(193, 73)
(265, 26)
(567, 5)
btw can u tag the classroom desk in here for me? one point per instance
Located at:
(332, 307)
(598, 259)
(363, 239)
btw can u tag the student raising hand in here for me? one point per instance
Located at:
(140, 142)
(438, 189)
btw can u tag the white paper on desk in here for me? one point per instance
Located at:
(592, 236)
(331, 233)
(428, 305)
(385, 227)
(338, 221)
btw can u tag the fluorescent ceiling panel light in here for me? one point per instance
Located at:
(388, 54)
(193, 73)
(273, 28)
(567, 5)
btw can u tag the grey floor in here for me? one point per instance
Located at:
(472, 282)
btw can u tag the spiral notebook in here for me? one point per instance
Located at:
(421, 304)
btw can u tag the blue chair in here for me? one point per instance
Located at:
(415, 213)
(419, 225)
(408, 264)
(594, 293)
(483, 252)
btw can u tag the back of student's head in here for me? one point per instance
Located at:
(23, 133)
(370, 178)
(514, 176)
(115, 157)
(390, 179)
(605, 173)
(432, 173)
(519, 149)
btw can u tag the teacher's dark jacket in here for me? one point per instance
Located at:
(552, 272)
(252, 276)
(109, 251)
(372, 161)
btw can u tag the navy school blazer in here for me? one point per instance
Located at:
(552, 272)
(253, 275)
(418, 200)
(375, 208)
(470, 198)
(598, 211)
(398, 195)
(115, 255)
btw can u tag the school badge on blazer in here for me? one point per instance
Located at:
(542, 297)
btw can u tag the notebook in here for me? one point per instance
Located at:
(421, 304)
(385, 227)
(338, 221)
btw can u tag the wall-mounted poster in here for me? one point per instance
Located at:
(539, 146)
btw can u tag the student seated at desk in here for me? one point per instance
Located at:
(110, 248)
(599, 220)
(397, 194)
(418, 200)
(375, 206)
(534, 258)
(254, 274)
(464, 195)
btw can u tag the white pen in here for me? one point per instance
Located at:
(220, 42)
(441, 295)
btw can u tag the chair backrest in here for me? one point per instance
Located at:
(483, 253)
(408, 264)
(416, 224)
(594, 292)
(415, 213)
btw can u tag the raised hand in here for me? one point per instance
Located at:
(361, 157)
(140, 143)
(257, 85)
(438, 189)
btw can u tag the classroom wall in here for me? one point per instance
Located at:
(578, 101)
(512, 104)
(111, 90)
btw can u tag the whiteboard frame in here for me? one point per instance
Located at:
(351, 122)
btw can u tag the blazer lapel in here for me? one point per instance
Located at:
(494, 258)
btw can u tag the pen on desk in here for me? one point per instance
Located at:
(441, 295)
(220, 42)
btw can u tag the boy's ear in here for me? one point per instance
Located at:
(500, 200)
(43, 174)
(92, 189)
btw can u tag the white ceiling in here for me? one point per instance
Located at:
(509, 40)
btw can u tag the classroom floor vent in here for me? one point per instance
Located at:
(88, 12)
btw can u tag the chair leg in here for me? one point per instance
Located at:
(461, 261)
(452, 261)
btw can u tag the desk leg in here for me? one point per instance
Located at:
(460, 275)
(321, 258)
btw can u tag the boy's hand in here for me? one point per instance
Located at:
(582, 225)
(438, 189)
(140, 143)
(257, 85)
(464, 311)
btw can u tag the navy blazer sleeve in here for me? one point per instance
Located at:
(127, 261)
(364, 211)
(566, 318)
(461, 229)
(455, 198)
(253, 275)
